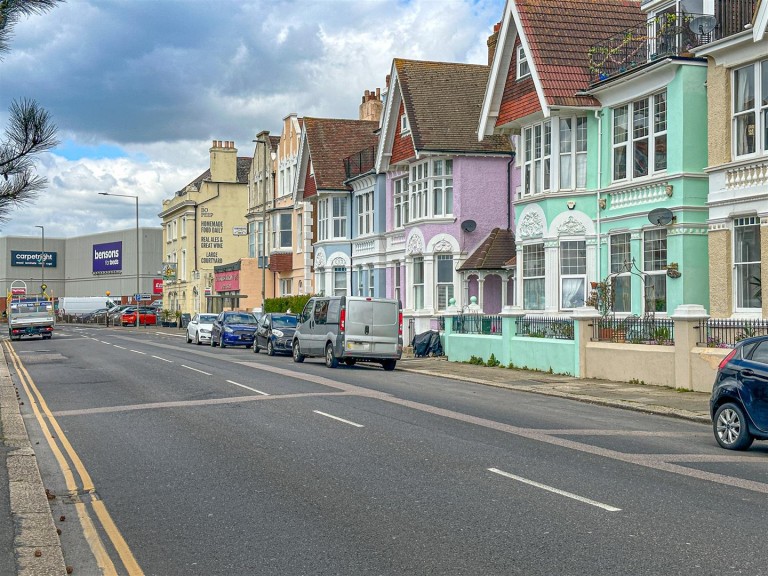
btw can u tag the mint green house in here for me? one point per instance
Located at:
(611, 127)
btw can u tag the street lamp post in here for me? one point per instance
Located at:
(263, 262)
(138, 291)
(42, 260)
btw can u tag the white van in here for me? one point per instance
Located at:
(75, 305)
(350, 329)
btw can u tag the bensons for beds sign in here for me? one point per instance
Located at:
(108, 258)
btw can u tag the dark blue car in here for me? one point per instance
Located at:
(739, 402)
(233, 329)
(275, 334)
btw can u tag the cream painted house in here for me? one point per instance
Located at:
(204, 225)
(737, 91)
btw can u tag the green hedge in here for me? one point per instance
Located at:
(293, 303)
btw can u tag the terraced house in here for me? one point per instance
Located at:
(737, 88)
(610, 120)
(445, 189)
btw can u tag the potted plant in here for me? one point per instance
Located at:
(601, 297)
(177, 319)
(166, 316)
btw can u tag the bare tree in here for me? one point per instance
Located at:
(30, 130)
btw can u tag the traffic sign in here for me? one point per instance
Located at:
(138, 297)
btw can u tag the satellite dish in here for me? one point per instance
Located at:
(702, 24)
(660, 216)
(468, 225)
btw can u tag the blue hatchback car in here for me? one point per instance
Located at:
(739, 402)
(233, 329)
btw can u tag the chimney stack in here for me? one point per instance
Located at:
(372, 105)
(223, 161)
(493, 39)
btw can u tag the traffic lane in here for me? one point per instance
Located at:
(83, 373)
(394, 491)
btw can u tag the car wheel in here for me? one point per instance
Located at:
(255, 347)
(330, 358)
(189, 340)
(221, 341)
(350, 361)
(731, 428)
(213, 342)
(270, 348)
(297, 355)
(197, 338)
(388, 365)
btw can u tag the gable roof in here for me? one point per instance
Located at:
(495, 252)
(329, 141)
(556, 36)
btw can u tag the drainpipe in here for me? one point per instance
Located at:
(509, 190)
(599, 118)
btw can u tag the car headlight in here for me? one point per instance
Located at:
(204, 331)
(228, 330)
(278, 333)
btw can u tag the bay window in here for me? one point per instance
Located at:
(643, 144)
(365, 214)
(444, 280)
(371, 280)
(322, 220)
(533, 276)
(573, 273)
(339, 217)
(555, 155)
(340, 281)
(431, 190)
(750, 109)
(746, 263)
(282, 234)
(655, 267)
(401, 202)
(397, 282)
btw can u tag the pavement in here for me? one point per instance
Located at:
(28, 535)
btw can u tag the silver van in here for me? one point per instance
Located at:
(350, 329)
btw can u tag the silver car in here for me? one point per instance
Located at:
(199, 328)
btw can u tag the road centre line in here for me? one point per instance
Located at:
(556, 490)
(196, 370)
(248, 388)
(121, 347)
(339, 419)
(137, 352)
(163, 359)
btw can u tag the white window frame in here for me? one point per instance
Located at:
(431, 189)
(183, 226)
(371, 280)
(286, 286)
(534, 273)
(251, 239)
(752, 118)
(740, 261)
(183, 275)
(360, 287)
(627, 137)
(299, 232)
(618, 270)
(523, 68)
(365, 214)
(322, 219)
(339, 280)
(397, 281)
(338, 223)
(444, 288)
(281, 233)
(418, 282)
(400, 193)
(404, 126)
(657, 266)
(537, 161)
(573, 268)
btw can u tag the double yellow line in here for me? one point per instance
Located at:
(44, 417)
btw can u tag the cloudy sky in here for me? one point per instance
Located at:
(139, 88)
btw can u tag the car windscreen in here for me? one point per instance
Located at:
(284, 321)
(207, 318)
(239, 319)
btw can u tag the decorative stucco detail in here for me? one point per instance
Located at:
(338, 261)
(639, 195)
(571, 227)
(687, 230)
(532, 225)
(320, 258)
(443, 246)
(415, 244)
(715, 226)
(747, 176)
(551, 244)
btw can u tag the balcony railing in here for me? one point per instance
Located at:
(667, 34)
(360, 162)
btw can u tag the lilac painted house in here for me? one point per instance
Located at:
(446, 192)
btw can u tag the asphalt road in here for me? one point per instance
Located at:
(192, 460)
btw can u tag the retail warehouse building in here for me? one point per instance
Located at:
(90, 265)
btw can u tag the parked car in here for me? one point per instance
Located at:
(199, 328)
(233, 329)
(115, 313)
(350, 329)
(275, 334)
(147, 317)
(739, 402)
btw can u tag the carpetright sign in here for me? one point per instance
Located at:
(108, 258)
(31, 258)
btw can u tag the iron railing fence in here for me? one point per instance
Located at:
(410, 332)
(476, 324)
(545, 327)
(725, 332)
(667, 34)
(441, 323)
(360, 162)
(635, 330)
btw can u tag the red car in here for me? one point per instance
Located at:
(147, 317)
